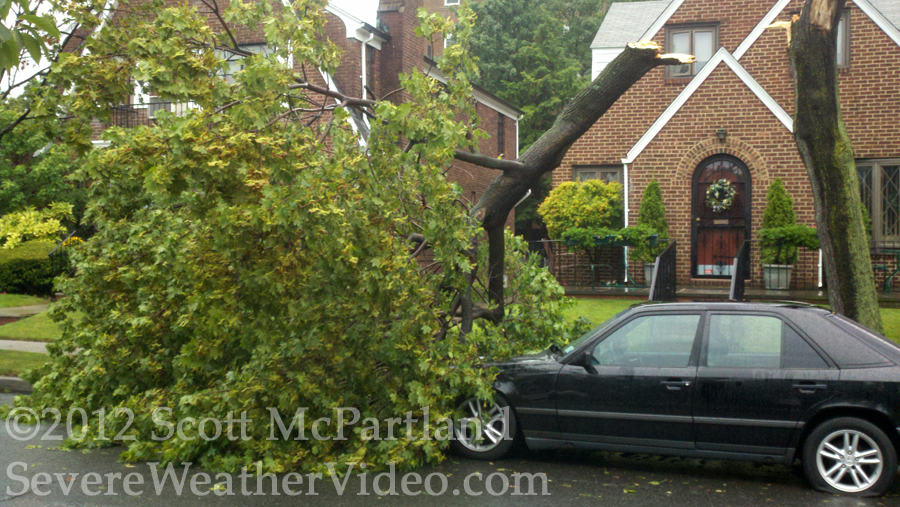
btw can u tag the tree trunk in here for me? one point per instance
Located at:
(548, 151)
(828, 155)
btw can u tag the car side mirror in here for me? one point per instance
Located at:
(586, 361)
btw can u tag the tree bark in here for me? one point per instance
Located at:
(545, 155)
(828, 155)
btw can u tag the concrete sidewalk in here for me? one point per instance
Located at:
(15, 384)
(23, 311)
(22, 346)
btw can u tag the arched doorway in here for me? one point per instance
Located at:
(717, 234)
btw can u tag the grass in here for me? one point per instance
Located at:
(11, 300)
(599, 310)
(890, 319)
(13, 363)
(37, 328)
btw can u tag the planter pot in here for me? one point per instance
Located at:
(777, 276)
(648, 273)
(571, 242)
(653, 240)
(604, 241)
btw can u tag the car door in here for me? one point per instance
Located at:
(757, 377)
(637, 389)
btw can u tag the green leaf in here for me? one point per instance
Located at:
(4, 8)
(5, 33)
(9, 54)
(33, 45)
(45, 23)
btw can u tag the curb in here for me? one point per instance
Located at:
(14, 385)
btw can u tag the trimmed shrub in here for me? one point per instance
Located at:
(591, 204)
(27, 269)
(780, 236)
(32, 225)
(652, 215)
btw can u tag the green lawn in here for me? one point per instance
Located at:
(890, 318)
(11, 300)
(598, 310)
(37, 328)
(12, 363)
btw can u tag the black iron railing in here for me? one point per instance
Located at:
(142, 115)
(575, 266)
(886, 264)
(663, 286)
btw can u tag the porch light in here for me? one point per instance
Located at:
(721, 134)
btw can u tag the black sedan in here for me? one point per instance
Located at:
(761, 382)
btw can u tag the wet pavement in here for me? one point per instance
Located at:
(572, 478)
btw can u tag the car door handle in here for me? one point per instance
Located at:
(675, 385)
(810, 387)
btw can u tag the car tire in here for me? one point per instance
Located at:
(851, 457)
(484, 430)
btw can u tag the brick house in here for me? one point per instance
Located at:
(373, 58)
(730, 116)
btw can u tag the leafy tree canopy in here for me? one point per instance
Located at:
(251, 254)
(35, 169)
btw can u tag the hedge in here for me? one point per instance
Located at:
(27, 269)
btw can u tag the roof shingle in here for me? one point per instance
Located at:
(627, 21)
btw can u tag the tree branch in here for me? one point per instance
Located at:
(352, 101)
(507, 166)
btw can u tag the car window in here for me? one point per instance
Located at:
(656, 341)
(593, 332)
(797, 354)
(757, 341)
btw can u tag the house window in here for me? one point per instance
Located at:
(501, 141)
(879, 187)
(449, 40)
(236, 61)
(609, 174)
(843, 41)
(451, 2)
(698, 40)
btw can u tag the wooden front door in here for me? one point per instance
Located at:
(717, 234)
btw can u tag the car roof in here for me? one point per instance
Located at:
(729, 305)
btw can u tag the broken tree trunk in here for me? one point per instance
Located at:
(828, 155)
(547, 152)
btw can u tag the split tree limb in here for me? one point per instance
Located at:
(548, 151)
(507, 166)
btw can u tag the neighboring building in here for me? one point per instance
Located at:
(373, 59)
(730, 116)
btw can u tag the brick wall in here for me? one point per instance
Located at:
(869, 97)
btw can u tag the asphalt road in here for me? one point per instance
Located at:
(572, 478)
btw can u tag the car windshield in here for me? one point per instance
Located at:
(574, 344)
